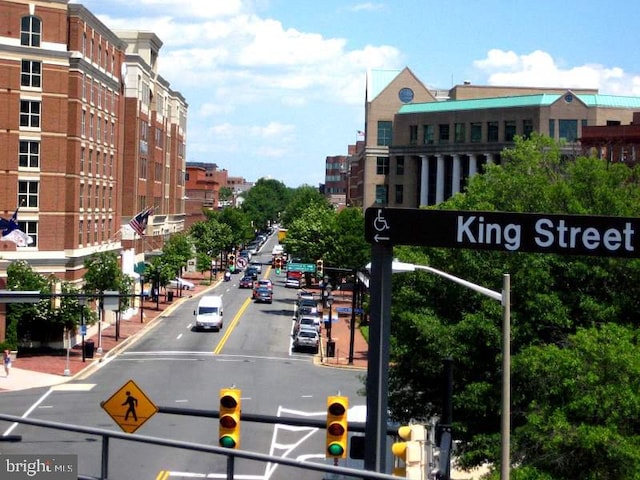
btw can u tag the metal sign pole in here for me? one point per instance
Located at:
(378, 362)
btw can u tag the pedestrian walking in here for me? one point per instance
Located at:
(6, 360)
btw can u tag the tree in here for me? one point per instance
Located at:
(300, 199)
(350, 249)
(553, 298)
(238, 222)
(312, 235)
(209, 238)
(265, 201)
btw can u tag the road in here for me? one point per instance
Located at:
(176, 366)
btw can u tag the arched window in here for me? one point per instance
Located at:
(30, 31)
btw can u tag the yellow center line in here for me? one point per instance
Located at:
(231, 326)
(162, 475)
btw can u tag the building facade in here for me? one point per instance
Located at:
(613, 142)
(203, 184)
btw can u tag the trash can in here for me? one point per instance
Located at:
(331, 349)
(89, 348)
(169, 297)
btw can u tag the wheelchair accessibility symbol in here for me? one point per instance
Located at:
(381, 225)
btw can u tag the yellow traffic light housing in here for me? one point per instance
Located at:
(319, 268)
(231, 260)
(409, 453)
(337, 427)
(278, 265)
(229, 429)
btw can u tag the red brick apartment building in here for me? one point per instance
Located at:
(90, 134)
(203, 184)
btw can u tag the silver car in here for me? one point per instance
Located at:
(306, 339)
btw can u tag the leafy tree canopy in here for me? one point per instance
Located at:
(300, 199)
(265, 201)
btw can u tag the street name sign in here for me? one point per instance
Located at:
(301, 267)
(129, 407)
(506, 231)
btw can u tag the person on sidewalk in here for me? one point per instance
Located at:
(6, 360)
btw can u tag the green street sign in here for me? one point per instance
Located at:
(301, 267)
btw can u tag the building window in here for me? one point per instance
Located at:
(29, 154)
(31, 74)
(28, 193)
(381, 195)
(98, 129)
(90, 163)
(552, 128)
(83, 123)
(30, 31)
(527, 128)
(429, 134)
(413, 134)
(31, 229)
(443, 133)
(568, 130)
(492, 131)
(476, 132)
(460, 133)
(382, 165)
(81, 198)
(384, 133)
(80, 232)
(509, 130)
(399, 165)
(143, 169)
(399, 194)
(30, 113)
(91, 117)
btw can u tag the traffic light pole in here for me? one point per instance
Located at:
(378, 362)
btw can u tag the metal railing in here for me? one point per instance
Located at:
(229, 453)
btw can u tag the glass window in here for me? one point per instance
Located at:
(492, 131)
(460, 133)
(509, 130)
(399, 165)
(381, 195)
(29, 154)
(31, 74)
(30, 113)
(384, 133)
(382, 165)
(443, 130)
(568, 130)
(552, 128)
(413, 134)
(429, 134)
(31, 229)
(80, 232)
(28, 193)
(527, 128)
(83, 123)
(399, 194)
(476, 132)
(30, 31)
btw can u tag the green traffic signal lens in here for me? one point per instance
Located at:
(335, 449)
(227, 442)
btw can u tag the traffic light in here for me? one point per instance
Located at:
(231, 260)
(278, 265)
(229, 431)
(409, 453)
(337, 427)
(319, 268)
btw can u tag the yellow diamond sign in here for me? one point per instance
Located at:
(129, 407)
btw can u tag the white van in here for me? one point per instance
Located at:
(209, 313)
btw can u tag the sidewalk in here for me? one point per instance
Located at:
(47, 370)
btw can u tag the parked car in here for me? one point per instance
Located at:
(246, 282)
(306, 339)
(181, 283)
(263, 295)
(311, 321)
(308, 302)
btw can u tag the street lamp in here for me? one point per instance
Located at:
(142, 298)
(83, 328)
(504, 298)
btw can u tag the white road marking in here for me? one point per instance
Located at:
(178, 337)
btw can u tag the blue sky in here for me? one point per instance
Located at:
(276, 86)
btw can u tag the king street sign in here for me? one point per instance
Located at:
(510, 232)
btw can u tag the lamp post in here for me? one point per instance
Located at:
(83, 328)
(504, 298)
(142, 298)
(67, 370)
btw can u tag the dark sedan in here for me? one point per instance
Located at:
(263, 294)
(246, 282)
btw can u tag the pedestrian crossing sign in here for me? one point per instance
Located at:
(129, 407)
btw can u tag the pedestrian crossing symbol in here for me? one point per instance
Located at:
(129, 407)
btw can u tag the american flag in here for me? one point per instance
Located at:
(12, 233)
(139, 222)
(360, 133)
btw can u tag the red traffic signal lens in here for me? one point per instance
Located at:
(336, 409)
(335, 429)
(228, 401)
(228, 421)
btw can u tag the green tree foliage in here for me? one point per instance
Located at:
(238, 222)
(177, 251)
(265, 201)
(210, 237)
(556, 300)
(350, 248)
(312, 234)
(300, 199)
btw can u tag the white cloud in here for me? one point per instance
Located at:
(540, 69)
